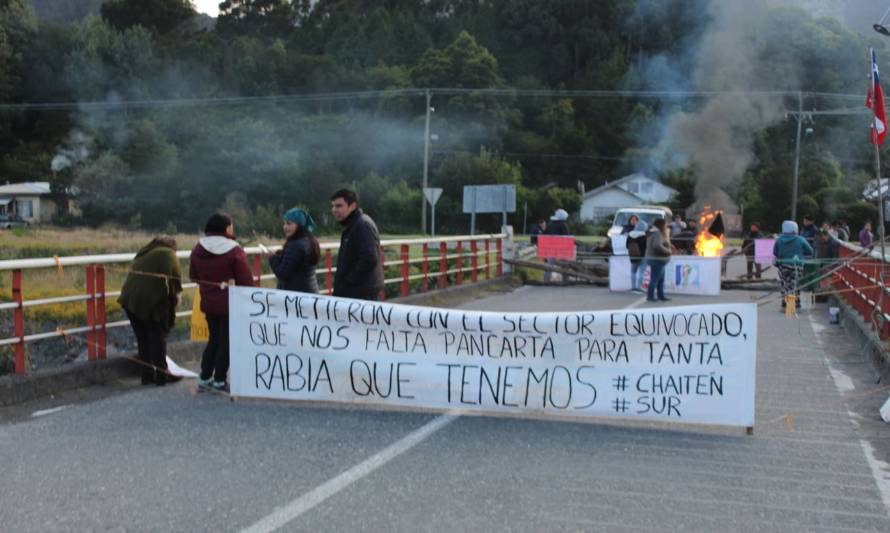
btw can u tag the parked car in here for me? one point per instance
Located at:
(11, 221)
(647, 213)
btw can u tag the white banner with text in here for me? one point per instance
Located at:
(685, 364)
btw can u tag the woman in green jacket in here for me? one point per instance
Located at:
(150, 296)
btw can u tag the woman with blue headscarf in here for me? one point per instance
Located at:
(294, 265)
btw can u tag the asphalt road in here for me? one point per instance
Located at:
(150, 459)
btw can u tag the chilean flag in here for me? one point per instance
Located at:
(875, 101)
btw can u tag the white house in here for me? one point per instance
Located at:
(31, 201)
(629, 191)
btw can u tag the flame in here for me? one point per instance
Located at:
(707, 245)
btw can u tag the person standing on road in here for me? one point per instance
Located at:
(865, 236)
(359, 274)
(636, 250)
(538, 229)
(294, 265)
(658, 253)
(215, 260)
(150, 296)
(748, 249)
(677, 226)
(790, 251)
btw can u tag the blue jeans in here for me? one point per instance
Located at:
(636, 274)
(656, 278)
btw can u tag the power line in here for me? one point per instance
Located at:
(115, 104)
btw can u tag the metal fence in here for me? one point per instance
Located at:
(458, 259)
(861, 282)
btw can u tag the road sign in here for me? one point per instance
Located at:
(490, 199)
(432, 194)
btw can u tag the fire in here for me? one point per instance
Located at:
(706, 244)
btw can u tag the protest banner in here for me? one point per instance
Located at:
(684, 274)
(556, 247)
(682, 364)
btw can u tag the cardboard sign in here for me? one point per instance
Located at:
(199, 329)
(763, 250)
(692, 364)
(556, 247)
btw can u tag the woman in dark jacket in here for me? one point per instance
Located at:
(150, 296)
(216, 259)
(658, 253)
(294, 265)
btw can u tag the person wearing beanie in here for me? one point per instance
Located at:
(790, 251)
(294, 265)
(216, 259)
(359, 274)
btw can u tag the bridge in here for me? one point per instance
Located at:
(125, 457)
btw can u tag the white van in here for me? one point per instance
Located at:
(647, 213)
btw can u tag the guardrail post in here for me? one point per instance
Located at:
(91, 312)
(460, 263)
(257, 270)
(443, 265)
(499, 259)
(425, 268)
(100, 311)
(19, 318)
(383, 273)
(474, 262)
(406, 287)
(328, 278)
(487, 258)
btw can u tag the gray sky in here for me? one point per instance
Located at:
(211, 7)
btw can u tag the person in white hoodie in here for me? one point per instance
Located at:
(216, 259)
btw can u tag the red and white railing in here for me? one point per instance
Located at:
(440, 259)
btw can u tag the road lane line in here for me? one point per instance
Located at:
(843, 383)
(299, 506)
(45, 412)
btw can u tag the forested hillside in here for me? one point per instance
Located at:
(282, 101)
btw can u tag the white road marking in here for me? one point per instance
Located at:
(879, 470)
(843, 383)
(296, 508)
(45, 412)
(636, 303)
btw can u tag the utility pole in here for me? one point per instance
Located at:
(426, 161)
(796, 157)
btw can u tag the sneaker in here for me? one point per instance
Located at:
(664, 299)
(651, 300)
(220, 386)
(637, 290)
(205, 383)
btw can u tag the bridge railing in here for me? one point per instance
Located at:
(861, 279)
(409, 265)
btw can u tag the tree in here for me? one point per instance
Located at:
(158, 16)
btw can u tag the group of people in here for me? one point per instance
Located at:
(648, 246)
(794, 249)
(152, 290)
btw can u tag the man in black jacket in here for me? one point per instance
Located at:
(358, 262)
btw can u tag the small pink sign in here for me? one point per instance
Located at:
(763, 250)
